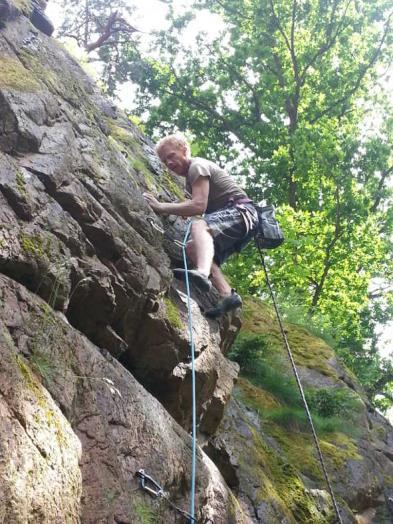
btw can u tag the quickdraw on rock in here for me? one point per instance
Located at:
(163, 232)
(148, 484)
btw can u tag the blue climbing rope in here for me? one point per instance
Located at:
(192, 350)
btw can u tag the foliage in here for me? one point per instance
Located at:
(261, 363)
(329, 402)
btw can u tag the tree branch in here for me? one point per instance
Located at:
(110, 29)
(280, 28)
(362, 74)
(330, 41)
(381, 184)
(338, 232)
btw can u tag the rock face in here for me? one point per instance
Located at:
(95, 377)
(75, 422)
(75, 226)
(264, 448)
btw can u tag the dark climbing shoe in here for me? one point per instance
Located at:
(40, 20)
(197, 278)
(226, 304)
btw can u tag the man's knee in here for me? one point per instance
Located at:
(198, 226)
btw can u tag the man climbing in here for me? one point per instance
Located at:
(228, 222)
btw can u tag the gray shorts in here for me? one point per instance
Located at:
(231, 228)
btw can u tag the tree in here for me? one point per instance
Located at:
(103, 27)
(283, 94)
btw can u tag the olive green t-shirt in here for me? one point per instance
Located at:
(222, 187)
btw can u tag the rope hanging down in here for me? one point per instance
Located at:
(307, 410)
(157, 491)
(192, 349)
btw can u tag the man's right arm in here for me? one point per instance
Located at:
(196, 206)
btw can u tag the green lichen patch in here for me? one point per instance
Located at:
(40, 72)
(172, 314)
(297, 448)
(339, 450)
(256, 398)
(42, 362)
(293, 434)
(145, 514)
(14, 76)
(124, 136)
(169, 182)
(36, 246)
(280, 483)
(388, 481)
(308, 350)
(24, 6)
(30, 380)
(69, 87)
(140, 166)
(20, 182)
(44, 414)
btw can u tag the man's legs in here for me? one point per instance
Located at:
(202, 250)
(216, 275)
(219, 282)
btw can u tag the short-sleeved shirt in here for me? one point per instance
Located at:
(222, 187)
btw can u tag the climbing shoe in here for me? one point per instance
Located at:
(197, 278)
(226, 304)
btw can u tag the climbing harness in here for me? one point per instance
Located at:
(152, 487)
(294, 368)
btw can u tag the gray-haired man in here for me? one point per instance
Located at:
(228, 222)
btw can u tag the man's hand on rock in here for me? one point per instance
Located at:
(153, 202)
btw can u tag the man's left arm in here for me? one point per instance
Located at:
(195, 206)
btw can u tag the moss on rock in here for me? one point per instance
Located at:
(13, 75)
(42, 73)
(172, 314)
(297, 446)
(280, 483)
(308, 350)
(24, 6)
(171, 185)
(35, 246)
(255, 397)
(123, 135)
(20, 183)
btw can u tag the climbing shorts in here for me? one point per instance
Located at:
(231, 228)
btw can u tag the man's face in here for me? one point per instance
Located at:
(175, 158)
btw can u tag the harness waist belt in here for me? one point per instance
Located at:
(241, 200)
